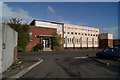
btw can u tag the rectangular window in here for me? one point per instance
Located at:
(85, 34)
(79, 33)
(79, 40)
(68, 27)
(88, 34)
(76, 41)
(72, 33)
(75, 33)
(82, 33)
(64, 32)
(67, 32)
(72, 40)
(64, 40)
(68, 40)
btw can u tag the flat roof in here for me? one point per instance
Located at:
(48, 21)
(82, 26)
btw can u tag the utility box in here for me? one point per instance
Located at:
(105, 40)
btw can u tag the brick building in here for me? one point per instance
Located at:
(105, 40)
(41, 32)
(73, 36)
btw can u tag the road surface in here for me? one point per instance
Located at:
(66, 64)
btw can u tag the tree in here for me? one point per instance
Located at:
(57, 42)
(23, 32)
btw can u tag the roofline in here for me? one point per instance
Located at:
(48, 21)
(82, 26)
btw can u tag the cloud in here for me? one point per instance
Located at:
(61, 19)
(111, 30)
(51, 10)
(9, 13)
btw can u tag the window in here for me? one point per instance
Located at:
(30, 35)
(64, 32)
(90, 42)
(79, 40)
(76, 41)
(76, 28)
(72, 40)
(79, 33)
(88, 34)
(75, 33)
(82, 33)
(68, 27)
(91, 34)
(64, 40)
(88, 30)
(67, 32)
(96, 31)
(95, 42)
(71, 32)
(85, 34)
(94, 35)
(68, 40)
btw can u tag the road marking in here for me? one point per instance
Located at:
(80, 57)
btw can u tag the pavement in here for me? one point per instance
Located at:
(19, 68)
(68, 64)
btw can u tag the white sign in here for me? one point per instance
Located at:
(110, 37)
(45, 24)
(49, 25)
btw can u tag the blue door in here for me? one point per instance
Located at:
(46, 43)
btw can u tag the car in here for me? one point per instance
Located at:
(109, 53)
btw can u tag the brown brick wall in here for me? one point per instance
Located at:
(38, 31)
(110, 42)
(105, 43)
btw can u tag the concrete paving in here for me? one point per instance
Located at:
(66, 64)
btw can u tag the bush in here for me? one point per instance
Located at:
(37, 47)
(20, 49)
(57, 42)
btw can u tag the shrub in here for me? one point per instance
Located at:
(57, 42)
(37, 47)
(23, 33)
(20, 49)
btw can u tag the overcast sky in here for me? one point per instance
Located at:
(102, 15)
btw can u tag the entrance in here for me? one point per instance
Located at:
(46, 43)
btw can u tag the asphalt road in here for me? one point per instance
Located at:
(74, 64)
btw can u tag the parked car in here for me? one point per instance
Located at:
(109, 53)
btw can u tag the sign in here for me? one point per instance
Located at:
(49, 25)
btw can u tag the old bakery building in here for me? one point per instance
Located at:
(73, 36)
